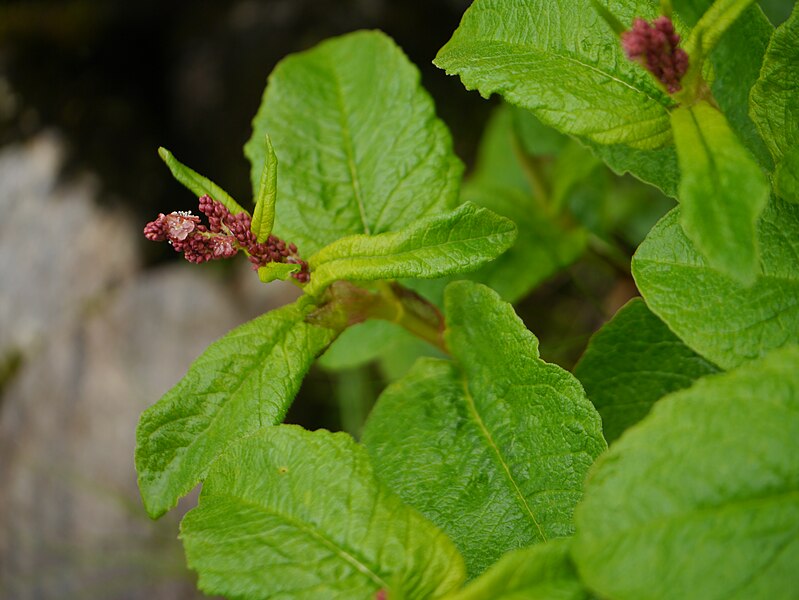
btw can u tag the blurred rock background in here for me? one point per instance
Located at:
(96, 324)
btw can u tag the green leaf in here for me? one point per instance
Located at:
(774, 99)
(734, 70)
(263, 217)
(563, 62)
(452, 242)
(722, 191)
(242, 382)
(501, 183)
(699, 500)
(494, 447)
(290, 513)
(198, 184)
(273, 271)
(786, 176)
(361, 150)
(714, 23)
(721, 319)
(655, 167)
(540, 572)
(633, 361)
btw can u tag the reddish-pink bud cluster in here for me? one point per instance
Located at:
(224, 236)
(655, 47)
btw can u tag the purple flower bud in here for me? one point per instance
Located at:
(655, 47)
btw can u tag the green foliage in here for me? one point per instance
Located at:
(775, 104)
(540, 572)
(198, 184)
(722, 191)
(477, 455)
(721, 319)
(560, 61)
(348, 165)
(451, 242)
(699, 500)
(492, 448)
(632, 362)
(241, 383)
(299, 514)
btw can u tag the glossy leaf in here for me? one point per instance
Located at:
(290, 513)
(451, 242)
(361, 150)
(561, 61)
(242, 382)
(198, 184)
(722, 191)
(493, 448)
(719, 17)
(722, 320)
(263, 217)
(633, 361)
(540, 572)
(699, 500)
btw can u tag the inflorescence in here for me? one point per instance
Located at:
(655, 47)
(224, 236)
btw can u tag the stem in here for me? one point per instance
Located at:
(532, 171)
(410, 311)
(610, 253)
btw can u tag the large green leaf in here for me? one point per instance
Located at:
(242, 382)
(700, 500)
(563, 62)
(540, 572)
(786, 176)
(632, 362)
(360, 147)
(289, 513)
(722, 320)
(438, 245)
(494, 447)
(774, 98)
(722, 191)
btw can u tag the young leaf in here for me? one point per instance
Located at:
(721, 319)
(242, 382)
(263, 217)
(561, 61)
(632, 362)
(494, 447)
(699, 500)
(722, 191)
(438, 245)
(198, 184)
(735, 70)
(275, 270)
(361, 150)
(540, 572)
(774, 99)
(716, 20)
(291, 513)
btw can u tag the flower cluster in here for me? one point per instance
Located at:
(223, 237)
(655, 47)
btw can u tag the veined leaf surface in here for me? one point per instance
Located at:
(361, 150)
(699, 500)
(289, 513)
(493, 448)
